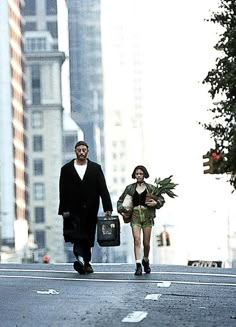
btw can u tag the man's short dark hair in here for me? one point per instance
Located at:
(144, 170)
(81, 143)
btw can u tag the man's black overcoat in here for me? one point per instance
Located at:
(81, 198)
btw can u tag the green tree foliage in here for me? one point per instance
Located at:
(222, 80)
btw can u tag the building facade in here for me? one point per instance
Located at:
(13, 171)
(44, 125)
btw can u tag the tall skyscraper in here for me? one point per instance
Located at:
(86, 78)
(13, 175)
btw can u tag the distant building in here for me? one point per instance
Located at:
(45, 122)
(41, 15)
(86, 77)
(123, 102)
(71, 134)
(13, 172)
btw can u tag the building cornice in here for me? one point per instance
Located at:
(44, 55)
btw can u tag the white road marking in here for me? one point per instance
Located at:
(135, 316)
(164, 284)
(146, 281)
(154, 297)
(50, 291)
(121, 272)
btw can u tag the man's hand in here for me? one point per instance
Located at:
(108, 213)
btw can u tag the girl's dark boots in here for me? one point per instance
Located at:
(138, 271)
(146, 266)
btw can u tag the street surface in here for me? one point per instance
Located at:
(35, 295)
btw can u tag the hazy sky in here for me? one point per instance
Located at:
(177, 49)
(178, 53)
(175, 101)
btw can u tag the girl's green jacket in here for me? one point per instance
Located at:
(130, 189)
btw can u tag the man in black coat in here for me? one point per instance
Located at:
(81, 185)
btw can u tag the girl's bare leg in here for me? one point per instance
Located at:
(146, 240)
(136, 231)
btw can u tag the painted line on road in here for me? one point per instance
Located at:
(135, 316)
(115, 280)
(120, 272)
(49, 292)
(164, 284)
(153, 297)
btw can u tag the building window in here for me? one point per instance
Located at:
(117, 118)
(51, 7)
(37, 119)
(35, 44)
(38, 143)
(39, 214)
(29, 26)
(52, 28)
(69, 143)
(39, 192)
(38, 167)
(29, 8)
(35, 83)
(40, 239)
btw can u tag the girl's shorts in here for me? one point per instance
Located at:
(141, 218)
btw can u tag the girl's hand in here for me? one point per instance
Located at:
(125, 215)
(151, 203)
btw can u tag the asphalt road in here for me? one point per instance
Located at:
(35, 295)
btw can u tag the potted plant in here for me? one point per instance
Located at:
(162, 187)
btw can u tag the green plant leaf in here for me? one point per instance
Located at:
(164, 186)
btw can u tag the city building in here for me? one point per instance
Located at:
(71, 134)
(86, 77)
(13, 158)
(44, 125)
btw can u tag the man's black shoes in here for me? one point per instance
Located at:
(88, 268)
(146, 266)
(79, 267)
(82, 269)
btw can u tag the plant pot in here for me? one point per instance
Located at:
(150, 196)
(127, 216)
